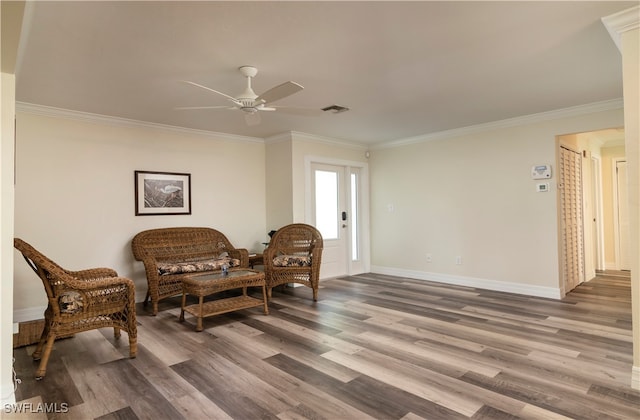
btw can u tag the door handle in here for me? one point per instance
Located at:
(344, 215)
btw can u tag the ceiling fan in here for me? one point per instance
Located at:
(248, 102)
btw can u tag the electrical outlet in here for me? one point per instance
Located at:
(429, 258)
(458, 260)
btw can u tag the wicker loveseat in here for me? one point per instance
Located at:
(170, 254)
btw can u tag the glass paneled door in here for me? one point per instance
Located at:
(336, 213)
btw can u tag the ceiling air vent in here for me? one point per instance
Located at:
(336, 109)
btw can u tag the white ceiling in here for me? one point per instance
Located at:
(404, 69)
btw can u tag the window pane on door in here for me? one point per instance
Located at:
(327, 204)
(355, 251)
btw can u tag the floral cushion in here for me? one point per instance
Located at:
(70, 302)
(292, 261)
(196, 266)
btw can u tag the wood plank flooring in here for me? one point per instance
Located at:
(373, 346)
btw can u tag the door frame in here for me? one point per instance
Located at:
(616, 211)
(598, 210)
(364, 205)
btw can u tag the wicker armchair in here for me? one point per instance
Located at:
(294, 255)
(80, 301)
(176, 245)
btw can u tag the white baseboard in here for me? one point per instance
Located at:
(37, 312)
(28, 314)
(635, 377)
(496, 285)
(7, 394)
(610, 265)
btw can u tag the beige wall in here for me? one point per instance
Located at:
(286, 157)
(473, 196)
(11, 17)
(7, 112)
(630, 40)
(278, 183)
(75, 189)
(305, 146)
(75, 192)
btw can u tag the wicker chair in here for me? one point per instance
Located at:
(178, 244)
(294, 255)
(80, 301)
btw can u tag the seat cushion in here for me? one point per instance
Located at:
(292, 261)
(196, 266)
(70, 302)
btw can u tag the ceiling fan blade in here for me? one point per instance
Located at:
(231, 98)
(205, 107)
(252, 118)
(261, 107)
(279, 92)
(307, 112)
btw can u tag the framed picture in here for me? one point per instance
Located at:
(162, 193)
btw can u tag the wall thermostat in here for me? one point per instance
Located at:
(541, 171)
(542, 187)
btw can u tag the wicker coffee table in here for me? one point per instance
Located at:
(202, 285)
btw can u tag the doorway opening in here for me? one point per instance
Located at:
(594, 246)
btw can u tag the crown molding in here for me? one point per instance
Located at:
(327, 140)
(278, 138)
(49, 111)
(621, 22)
(298, 135)
(510, 122)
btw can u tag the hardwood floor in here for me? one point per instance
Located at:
(373, 346)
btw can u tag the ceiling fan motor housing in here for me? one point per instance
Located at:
(248, 71)
(247, 98)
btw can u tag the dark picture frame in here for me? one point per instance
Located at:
(162, 193)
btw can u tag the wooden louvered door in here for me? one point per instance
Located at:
(570, 187)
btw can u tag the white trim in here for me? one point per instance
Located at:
(620, 22)
(29, 314)
(510, 122)
(610, 266)
(37, 312)
(616, 222)
(599, 210)
(365, 213)
(278, 138)
(496, 285)
(326, 140)
(49, 111)
(298, 135)
(25, 30)
(635, 377)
